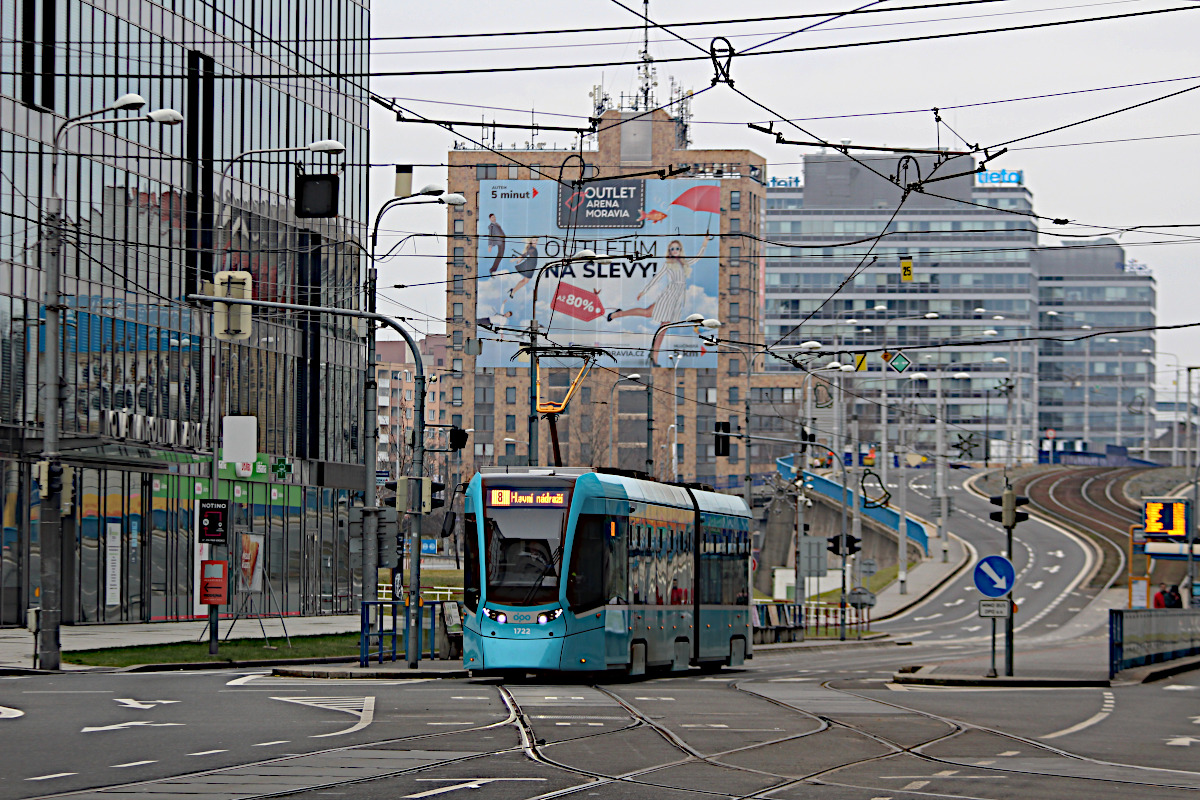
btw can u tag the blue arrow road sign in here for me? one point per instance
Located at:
(994, 576)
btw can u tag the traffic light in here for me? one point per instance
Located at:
(835, 545)
(1008, 516)
(429, 488)
(400, 487)
(68, 490)
(853, 545)
(807, 437)
(316, 196)
(458, 438)
(721, 441)
(54, 479)
(232, 323)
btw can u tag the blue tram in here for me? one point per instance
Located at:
(569, 569)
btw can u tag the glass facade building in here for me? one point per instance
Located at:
(148, 220)
(960, 269)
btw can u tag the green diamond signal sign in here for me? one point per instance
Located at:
(899, 362)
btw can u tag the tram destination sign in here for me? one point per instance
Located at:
(527, 498)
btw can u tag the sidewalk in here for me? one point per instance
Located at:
(16, 644)
(923, 579)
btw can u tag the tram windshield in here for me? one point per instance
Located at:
(523, 544)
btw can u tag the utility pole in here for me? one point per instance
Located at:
(370, 511)
(902, 501)
(856, 472)
(748, 488)
(940, 470)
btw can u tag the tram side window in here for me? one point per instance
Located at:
(471, 579)
(616, 562)
(585, 580)
(710, 567)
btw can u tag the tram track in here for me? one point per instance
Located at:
(823, 725)
(1065, 496)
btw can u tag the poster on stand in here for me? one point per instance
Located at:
(252, 568)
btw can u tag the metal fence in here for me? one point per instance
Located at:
(1148, 636)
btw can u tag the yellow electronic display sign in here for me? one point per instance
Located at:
(1165, 517)
(532, 498)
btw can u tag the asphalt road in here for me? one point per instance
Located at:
(791, 725)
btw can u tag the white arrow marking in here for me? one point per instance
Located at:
(957, 602)
(361, 707)
(242, 681)
(1036, 586)
(10, 713)
(129, 702)
(472, 783)
(991, 573)
(1057, 554)
(1053, 569)
(123, 725)
(922, 619)
(974, 628)
(1182, 741)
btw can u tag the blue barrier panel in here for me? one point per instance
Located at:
(885, 516)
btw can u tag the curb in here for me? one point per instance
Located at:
(370, 673)
(921, 677)
(230, 664)
(1158, 672)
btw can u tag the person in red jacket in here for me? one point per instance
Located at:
(1160, 597)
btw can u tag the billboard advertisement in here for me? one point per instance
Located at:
(662, 239)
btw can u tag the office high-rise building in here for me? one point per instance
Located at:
(148, 220)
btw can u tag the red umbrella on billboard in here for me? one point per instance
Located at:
(700, 198)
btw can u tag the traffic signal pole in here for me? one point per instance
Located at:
(370, 548)
(412, 653)
(1008, 517)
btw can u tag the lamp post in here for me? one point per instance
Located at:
(942, 458)
(49, 649)
(371, 509)
(613, 413)
(678, 357)
(1120, 389)
(1087, 391)
(884, 411)
(696, 321)
(1175, 416)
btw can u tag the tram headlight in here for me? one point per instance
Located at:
(546, 616)
(502, 618)
(496, 616)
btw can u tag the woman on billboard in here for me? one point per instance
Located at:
(668, 287)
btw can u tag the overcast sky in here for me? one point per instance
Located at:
(853, 93)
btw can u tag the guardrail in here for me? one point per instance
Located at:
(376, 637)
(1150, 636)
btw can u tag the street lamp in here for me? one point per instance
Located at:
(1175, 416)
(613, 412)
(884, 411)
(49, 647)
(1087, 384)
(696, 321)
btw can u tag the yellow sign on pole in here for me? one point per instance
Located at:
(860, 362)
(906, 270)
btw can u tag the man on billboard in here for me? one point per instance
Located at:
(495, 241)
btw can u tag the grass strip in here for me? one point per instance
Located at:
(329, 645)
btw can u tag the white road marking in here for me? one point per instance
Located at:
(670, 699)
(242, 681)
(208, 752)
(449, 723)
(705, 725)
(10, 713)
(957, 602)
(915, 635)
(1178, 688)
(1008, 753)
(268, 744)
(1105, 711)
(129, 702)
(922, 619)
(472, 783)
(1182, 741)
(123, 725)
(1053, 569)
(1056, 553)
(973, 628)
(51, 777)
(1036, 585)
(469, 697)
(133, 764)
(361, 707)
(915, 785)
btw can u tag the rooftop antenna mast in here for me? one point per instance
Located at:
(647, 72)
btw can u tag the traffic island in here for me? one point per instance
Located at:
(927, 676)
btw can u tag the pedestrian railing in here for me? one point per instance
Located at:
(1139, 637)
(789, 622)
(384, 629)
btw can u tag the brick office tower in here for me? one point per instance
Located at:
(681, 246)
